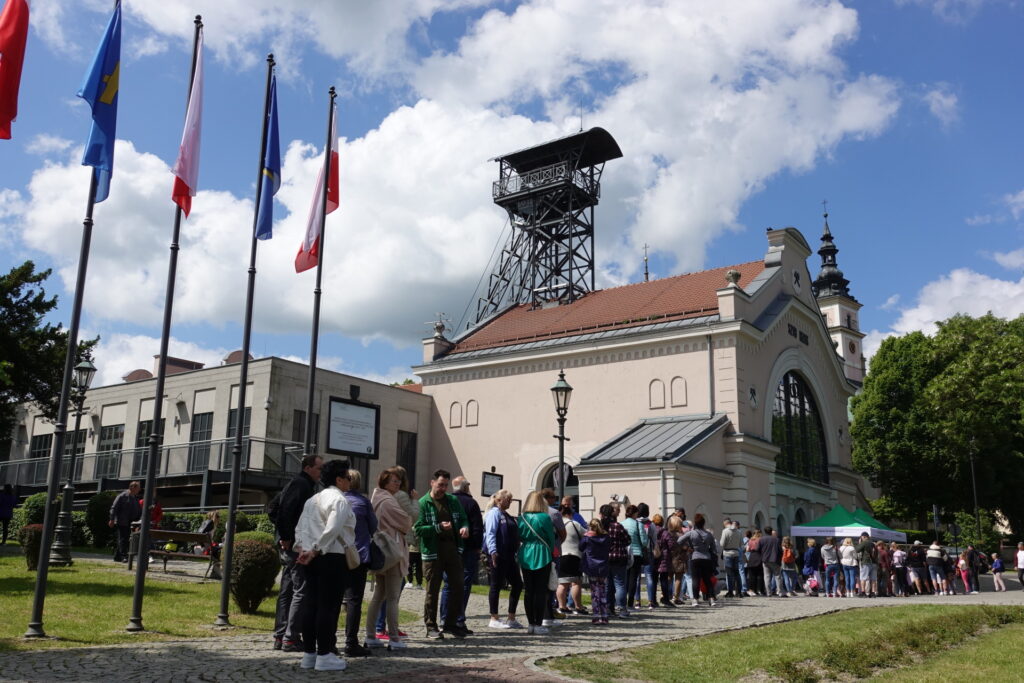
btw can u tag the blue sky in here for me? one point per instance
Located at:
(903, 114)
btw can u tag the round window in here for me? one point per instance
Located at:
(853, 348)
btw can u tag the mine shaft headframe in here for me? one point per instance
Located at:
(549, 192)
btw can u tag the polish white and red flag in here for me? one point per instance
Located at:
(186, 168)
(309, 250)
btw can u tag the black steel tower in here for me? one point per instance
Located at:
(550, 192)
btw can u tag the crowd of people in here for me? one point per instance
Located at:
(333, 538)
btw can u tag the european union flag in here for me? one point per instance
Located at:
(100, 90)
(271, 179)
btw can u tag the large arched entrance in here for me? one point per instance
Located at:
(572, 483)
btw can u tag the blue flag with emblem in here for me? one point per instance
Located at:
(100, 90)
(271, 178)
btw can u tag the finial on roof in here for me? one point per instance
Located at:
(830, 279)
(732, 276)
(647, 275)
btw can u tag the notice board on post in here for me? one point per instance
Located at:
(353, 428)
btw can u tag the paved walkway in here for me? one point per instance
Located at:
(487, 656)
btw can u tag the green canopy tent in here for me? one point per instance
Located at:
(840, 522)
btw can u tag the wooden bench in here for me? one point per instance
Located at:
(187, 538)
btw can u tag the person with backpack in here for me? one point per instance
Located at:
(790, 578)
(704, 549)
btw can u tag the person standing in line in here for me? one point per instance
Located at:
(551, 614)
(867, 557)
(917, 575)
(730, 543)
(704, 550)
(537, 536)
(884, 570)
(790, 578)
(125, 510)
(975, 564)
(594, 550)
(470, 553)
(618, 558)
(962, 566)
(936, 560)
(680, 558)
(366, 527)
(899, 570)
(289, 615)
(394, 522)
(569, 573)
(327, 526)
(830, 558)
(649, 531)
(442, 528)
(7, 503)
(997, 573)
(637, 546)
(662, 568)
(848, 560)
(755, 565)
(742, 560)
(406, 497)
(501, 538)
(812, 561)
(771, 561)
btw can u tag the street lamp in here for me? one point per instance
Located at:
(561, 392)
(60, 551)
(974, 488)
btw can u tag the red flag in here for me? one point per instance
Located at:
(309, 250)
(13, 35)
(186, 168)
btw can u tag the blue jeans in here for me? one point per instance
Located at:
(732, 575)
(850, 574)
(831, 578)
(618, 576)
(652, 584)
(790, 580)
(743, 572)
(470, 564)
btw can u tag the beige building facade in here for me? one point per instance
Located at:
(722, 392)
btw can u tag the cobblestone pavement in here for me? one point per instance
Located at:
(488, 655)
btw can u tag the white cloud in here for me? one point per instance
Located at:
(118, 354)
(981, 219)
(953, 11)
(1011, 260)
(147, 46)
(943, 104)
(961, 291)
(872, 340)
(890, 303)
(1015, 202)
(45, 144)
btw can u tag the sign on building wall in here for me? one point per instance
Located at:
(491, 483)
(353, 428)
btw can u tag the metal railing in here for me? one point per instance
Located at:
(539, 177)
(258, 455)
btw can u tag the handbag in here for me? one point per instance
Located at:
(385, 552)
(352, 558)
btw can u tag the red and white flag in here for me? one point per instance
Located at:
(13, 35)
(186, 168)
(309, 250)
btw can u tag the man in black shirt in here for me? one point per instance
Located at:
(288, 620)
(771, 557)
(470, 552)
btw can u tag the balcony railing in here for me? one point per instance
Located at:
(539, 177)
(258, 455)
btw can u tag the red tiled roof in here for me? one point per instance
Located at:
(673, 298)
(414, 388)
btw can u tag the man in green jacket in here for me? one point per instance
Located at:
(441, 528)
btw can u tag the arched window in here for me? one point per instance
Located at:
(678, 392)
(455, 414)
(656, 393)
(472, 413)
(796, 429)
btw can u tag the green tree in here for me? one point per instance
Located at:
(32, 351)
(931, 404)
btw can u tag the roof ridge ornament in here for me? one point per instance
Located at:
(830, 280)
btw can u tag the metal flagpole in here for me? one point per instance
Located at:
(155, 432)
(236, 449)
(35, 626)
(315, 336)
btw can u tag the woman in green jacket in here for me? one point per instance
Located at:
(537, 534)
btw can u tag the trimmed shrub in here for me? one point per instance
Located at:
(259, 536)
(34, 508)
(253, 570)
(182, 521)
(97, 514)
(264, 524)
(81, 534)
(30, 537)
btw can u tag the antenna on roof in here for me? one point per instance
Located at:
(647, 275)
(439, 325)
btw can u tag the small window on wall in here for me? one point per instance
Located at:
(656, 392)
(455, 415)
(472, 413)
(678, 392)
(40, 446)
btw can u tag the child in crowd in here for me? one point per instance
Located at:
(594, 548)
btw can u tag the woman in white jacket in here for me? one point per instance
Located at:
(393, 522)
(326, 527)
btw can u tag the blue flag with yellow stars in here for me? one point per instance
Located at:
(270, 180)
(100, 89)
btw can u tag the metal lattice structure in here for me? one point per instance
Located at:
(549, 192)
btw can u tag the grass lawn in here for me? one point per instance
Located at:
(89, 604)
(992, 656)
(855, 642)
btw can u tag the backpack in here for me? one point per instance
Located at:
(788, 556)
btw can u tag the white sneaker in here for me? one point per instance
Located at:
(513, 623)
(529, 630)
(330, 662)
(712, 602)
(541, 630)
(497, 623)
(308, 660)
(550, 623)
(694, 604)
(374, 643)
(397, 644)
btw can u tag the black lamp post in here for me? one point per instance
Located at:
(974, 488)
(561, 392)
(60, 551)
